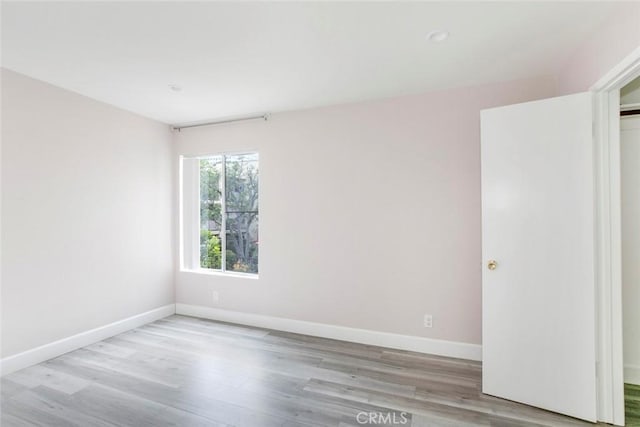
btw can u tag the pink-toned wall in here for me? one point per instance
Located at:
(618, 36)
(86, 214)
(370, 212)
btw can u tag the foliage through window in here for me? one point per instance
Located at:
(229, 207)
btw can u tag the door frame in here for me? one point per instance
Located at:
(608, 243)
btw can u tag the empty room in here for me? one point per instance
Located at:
(322, 213)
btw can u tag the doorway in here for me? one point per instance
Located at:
(609, 265)
(630, 202)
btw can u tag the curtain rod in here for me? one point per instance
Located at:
(629, 113)
(264, 117)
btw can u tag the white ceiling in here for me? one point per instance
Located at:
(236, 58)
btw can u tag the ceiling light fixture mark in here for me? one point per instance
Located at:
(437, 36)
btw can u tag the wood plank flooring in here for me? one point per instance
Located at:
(632, 405)
(183, 371)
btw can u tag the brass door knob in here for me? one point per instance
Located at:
(491, 265)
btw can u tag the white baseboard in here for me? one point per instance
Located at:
(48, 351)
(343, 333)
(632, 374)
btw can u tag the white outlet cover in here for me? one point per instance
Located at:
(428, 321)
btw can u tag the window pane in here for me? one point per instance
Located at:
(242, 183)
(242, 242)
(210, 212)
(242, 212)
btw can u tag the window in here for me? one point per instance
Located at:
(221, 212)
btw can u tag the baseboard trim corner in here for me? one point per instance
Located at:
(362, 336)
(54, 349)
(632, 374)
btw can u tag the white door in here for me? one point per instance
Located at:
(538, 225)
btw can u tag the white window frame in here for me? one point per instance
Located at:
(190, 253)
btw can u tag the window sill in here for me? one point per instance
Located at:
(206, 272)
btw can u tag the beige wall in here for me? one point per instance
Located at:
(630, 94)
(370, 212)
(86, 214)
(630, 180)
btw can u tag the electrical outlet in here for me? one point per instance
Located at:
(428, 321)
(216, 297)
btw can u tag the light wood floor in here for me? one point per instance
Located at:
(632, 405)
(182, 371)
